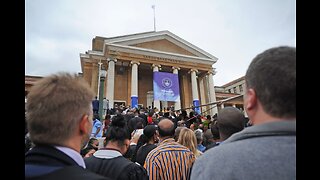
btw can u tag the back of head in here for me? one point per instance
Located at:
(55, 107)
(149, 131)
(188, 138)
(166, 128)
(118, 130)
(230, 120)
(108, 116)
(199, 135)
(272, 75)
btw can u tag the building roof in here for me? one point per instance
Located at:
(130, 39)
(233, 82)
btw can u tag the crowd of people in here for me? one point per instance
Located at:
(64, 130)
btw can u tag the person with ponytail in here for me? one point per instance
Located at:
(109, 161)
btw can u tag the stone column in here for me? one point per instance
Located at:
(134, 84)
(202, 94)
(194, 85)
(156, 103)
(110, 81)
(177, 104)
(94, 77)
(212, 97)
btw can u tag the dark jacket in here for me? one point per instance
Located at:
(46, 163)
(143, 152)
(118, 168)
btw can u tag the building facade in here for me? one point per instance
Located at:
(131, 60)
(231, 94)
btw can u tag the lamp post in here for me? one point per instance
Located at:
(102, 74)
(99, 74)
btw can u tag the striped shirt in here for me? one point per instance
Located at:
(169, 161)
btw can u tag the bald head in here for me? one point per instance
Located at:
(166, 128)
(230, 121)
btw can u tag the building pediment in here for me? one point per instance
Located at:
(162, 47)
(162, 41)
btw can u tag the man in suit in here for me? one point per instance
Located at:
(59, 118)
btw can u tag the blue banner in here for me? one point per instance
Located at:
(166, 86)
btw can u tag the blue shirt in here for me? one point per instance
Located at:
(201, 148)
(96, 124)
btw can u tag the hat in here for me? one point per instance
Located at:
(149, 130)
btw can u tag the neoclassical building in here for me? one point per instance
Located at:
(131, 60)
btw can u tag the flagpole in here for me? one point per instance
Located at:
(154, 17)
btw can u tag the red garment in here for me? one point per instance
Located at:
(150, 120)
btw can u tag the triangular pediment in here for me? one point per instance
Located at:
(163, 45)
(163, 41)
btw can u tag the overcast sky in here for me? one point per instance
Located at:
(234, 31)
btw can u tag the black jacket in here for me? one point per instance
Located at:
(118, 168)
(46, 162)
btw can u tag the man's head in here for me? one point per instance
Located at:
(271, 85)
(166, 128)
(230, 121)
(59, 109)
(215, 132)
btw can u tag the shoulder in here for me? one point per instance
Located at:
(72, 172)
(85, 174)
(136, 170)
(97, 122)
(238, 155)
(90, 160)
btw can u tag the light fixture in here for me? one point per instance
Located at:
(103, 73)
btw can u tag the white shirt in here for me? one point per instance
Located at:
(72, 154)
(107, 153)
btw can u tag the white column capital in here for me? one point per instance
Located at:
(112, 59)
(135, 62)
(156, 65)
(173, 67)
(212, 71)
(193, 70)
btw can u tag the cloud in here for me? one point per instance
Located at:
(233, 31)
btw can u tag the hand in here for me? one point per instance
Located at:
(90, 153)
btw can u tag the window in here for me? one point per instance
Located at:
(235, 89)
(240, 87)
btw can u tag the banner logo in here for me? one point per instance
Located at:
(166, 82)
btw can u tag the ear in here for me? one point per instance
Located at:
(250, 100)
(127, 143)
(84, 123)
(126, 146)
